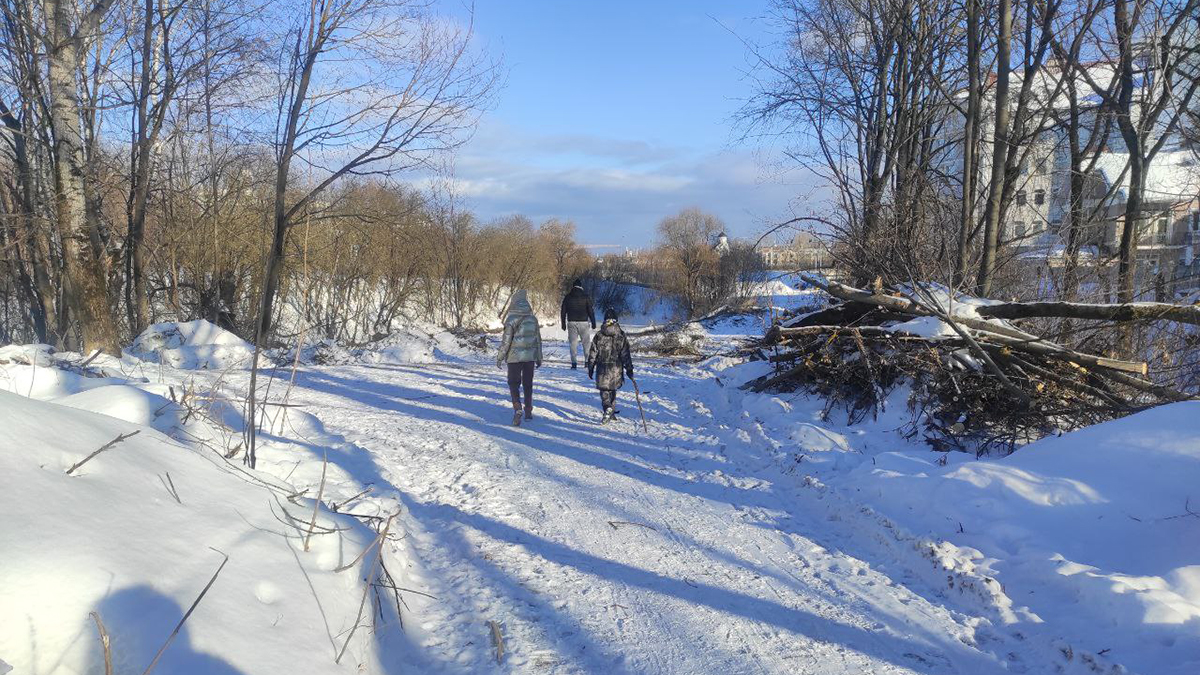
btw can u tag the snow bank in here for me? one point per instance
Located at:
(192, 345)
(47, 382)
(113, 539)
(33, 355)
(417, 343)
(1095, 531)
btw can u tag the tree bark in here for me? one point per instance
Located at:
(966, 221)
(87, 286)
(991, 226)
(137, 300)
(1138, 311)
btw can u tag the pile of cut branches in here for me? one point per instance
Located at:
(974, 382)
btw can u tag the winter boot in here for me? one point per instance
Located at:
(574, 366)
(609, 415)
(516, 417)
(529, 413)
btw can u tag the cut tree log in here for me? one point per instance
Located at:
(1133, 311)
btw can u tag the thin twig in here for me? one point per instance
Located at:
(89, 360)
(614, 523)
(317, 505)
(179, 625)
(497, 640)
(366, 591)
(104, 447)
(170, 486)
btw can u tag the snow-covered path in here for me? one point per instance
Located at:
(605, 550)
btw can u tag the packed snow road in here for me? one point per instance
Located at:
(603, 549)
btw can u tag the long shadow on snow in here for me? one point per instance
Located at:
(470, 412)
(542, 384)
(488, 417)
(398, 655)
(138, 620)
(877, 645)
(401, 401)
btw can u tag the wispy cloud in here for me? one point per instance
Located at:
(615, 189)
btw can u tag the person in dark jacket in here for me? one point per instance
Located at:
(578, 319)
(608, 362)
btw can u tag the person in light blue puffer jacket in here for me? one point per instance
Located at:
(521, 350)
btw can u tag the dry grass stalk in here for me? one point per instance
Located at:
(105, 643)
(102, 448)
(317, 505)
(188, 613)
(497, 640)
(170, 486)
(367, 588)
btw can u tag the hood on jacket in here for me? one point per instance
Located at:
(518, 305)
(611, 328)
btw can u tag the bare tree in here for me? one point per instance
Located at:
(862, 88)
(367, 87)
(686, 240)
(87, 285)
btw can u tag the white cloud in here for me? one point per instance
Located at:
(615, 189)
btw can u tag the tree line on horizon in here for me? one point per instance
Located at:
(252, 164)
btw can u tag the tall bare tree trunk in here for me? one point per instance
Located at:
(87, 287)
(137, 300)
(991, 223)
(28, 243)
(970, 145)
(1127, 265)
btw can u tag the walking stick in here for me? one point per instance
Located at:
(637, 393)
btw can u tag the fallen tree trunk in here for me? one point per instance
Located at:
(1134, 311)
(1007, 335)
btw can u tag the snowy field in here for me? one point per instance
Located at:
(740, 534)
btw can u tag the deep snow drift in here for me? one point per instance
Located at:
(743, 534)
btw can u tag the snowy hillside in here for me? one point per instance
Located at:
(742, 533)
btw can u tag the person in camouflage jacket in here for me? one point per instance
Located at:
(609, 362)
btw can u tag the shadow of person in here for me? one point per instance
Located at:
(139, 619)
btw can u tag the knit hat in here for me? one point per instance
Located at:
(610, 315)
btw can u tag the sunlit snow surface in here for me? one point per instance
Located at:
(741, 534)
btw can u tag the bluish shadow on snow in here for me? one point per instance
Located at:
(139, 619)
(873, 643)
(397, 654)
(621, 453)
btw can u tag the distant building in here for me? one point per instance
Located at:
(1037, 222)
(805, 251)
(722, 244)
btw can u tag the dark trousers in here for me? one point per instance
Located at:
(521, 374)
(608, 398)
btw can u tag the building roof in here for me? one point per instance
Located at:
(1173, 176)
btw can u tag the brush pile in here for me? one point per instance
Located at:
(974, 382)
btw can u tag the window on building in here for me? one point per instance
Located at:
(1019, 231)
(1039, 197)
(1021, 200)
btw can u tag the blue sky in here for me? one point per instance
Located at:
(615, 114)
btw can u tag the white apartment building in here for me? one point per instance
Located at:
(1036, 221)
